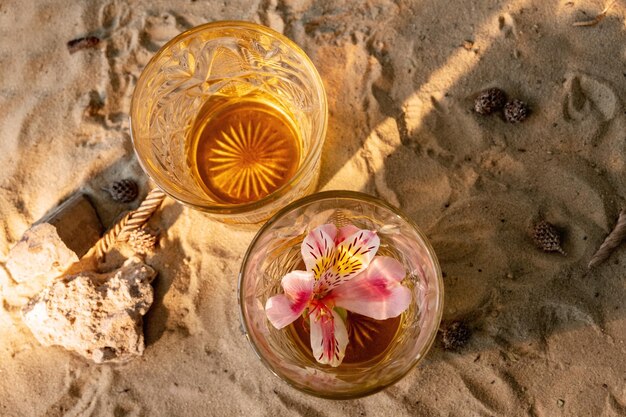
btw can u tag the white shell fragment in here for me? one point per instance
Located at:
(98, 316)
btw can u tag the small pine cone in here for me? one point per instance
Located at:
(489, 101)
(123, 191)
(516, 111)
(547, 237)
(456, 335)
(142, 241)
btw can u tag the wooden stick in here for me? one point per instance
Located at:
(612, 241)
(597, 19)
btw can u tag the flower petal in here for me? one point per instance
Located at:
(283, 309)
(377, 292)
(350, 257)
(317, 248)
(329, 336)
(345, 232)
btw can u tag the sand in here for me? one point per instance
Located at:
(549, 335)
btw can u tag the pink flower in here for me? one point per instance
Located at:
(341, 271)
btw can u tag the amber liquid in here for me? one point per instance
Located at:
(243, 149)
(368, 339)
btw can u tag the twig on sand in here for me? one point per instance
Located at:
(597, 19)
(612, 241)
(76, 45)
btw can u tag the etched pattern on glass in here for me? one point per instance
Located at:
(281, 254)
(229, 62)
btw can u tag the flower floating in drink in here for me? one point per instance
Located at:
(344, 284)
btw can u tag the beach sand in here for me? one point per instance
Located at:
(548, 334)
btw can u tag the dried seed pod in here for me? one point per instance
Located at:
(456, 335)
(489, 101)
(142, 241)
(516, 111)
(547, 237)
(123, 191)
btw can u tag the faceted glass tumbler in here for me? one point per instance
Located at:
(275, 251)
(226, 59)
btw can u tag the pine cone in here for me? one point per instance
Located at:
(516, 111)
(547, 237)
(456, 335)
(142, 241)
(123, 191)
(489, 101)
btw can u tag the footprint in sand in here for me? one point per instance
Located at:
(496, 392)
(158, 30)
(465, 238)
(88, 391)
(436, 124)
(616, 404)
(114, 15)
(559, 317)
(587, 97)
(589, 104)
(121, 40)
(271, 15)
(507, 25)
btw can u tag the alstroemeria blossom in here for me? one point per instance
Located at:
(341, 271)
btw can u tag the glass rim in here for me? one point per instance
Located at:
(316, 147)
(344, 195)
